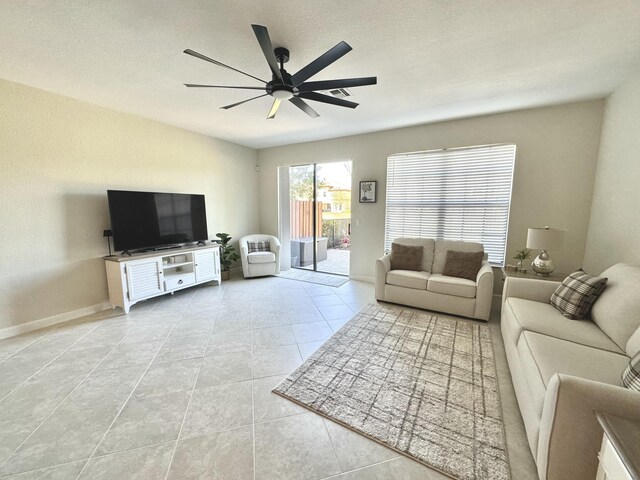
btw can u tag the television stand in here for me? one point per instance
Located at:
(152, 274)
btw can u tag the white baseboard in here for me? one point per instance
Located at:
(362, 278)
(54, 320)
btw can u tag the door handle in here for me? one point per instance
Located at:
(180, 282)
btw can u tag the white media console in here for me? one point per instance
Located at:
(146, 275)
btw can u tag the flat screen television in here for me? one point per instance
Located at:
(142, 220)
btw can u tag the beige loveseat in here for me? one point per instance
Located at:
(563, 370)
(431, 290)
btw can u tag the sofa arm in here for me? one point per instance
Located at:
(484, 291)
(529, 289)
(570, 436)
(383, 265)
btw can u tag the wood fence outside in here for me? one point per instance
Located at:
(302, 218)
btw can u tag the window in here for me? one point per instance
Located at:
(454, 194)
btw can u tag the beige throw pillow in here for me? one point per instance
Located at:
(406, 257)
(463, 264)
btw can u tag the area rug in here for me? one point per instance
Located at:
(314, 277)
(422, 384)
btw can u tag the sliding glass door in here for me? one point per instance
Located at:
(320, 217)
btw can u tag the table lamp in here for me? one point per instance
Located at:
(544, 239)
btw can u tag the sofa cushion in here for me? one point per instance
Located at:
(631, 374)
(458, 287)
(577, 293)
(543, 356)
(259, 246)
(528, 315)
(406, 257)
(463, 264)
(442, 246)
(617, 311)
(427, 244)
(261, 257)
(408, 279)
(554, 355)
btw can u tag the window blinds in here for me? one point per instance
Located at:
(454, 194)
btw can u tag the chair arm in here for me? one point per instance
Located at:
(570, 436)
(274, 244)
(383, 265)
(484, 291)
(529, 289)
(243, 257)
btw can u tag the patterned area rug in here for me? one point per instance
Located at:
(314, 277)
(421, 384)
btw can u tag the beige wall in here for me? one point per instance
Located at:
(614, 230)
(557, 149)
(58, 156)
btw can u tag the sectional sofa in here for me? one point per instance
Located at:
(565, 370)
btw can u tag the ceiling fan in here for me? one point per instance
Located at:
(295, 88)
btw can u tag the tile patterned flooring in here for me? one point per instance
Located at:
(337, 262)
(181, 388)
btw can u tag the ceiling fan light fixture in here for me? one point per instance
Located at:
(282, 94)
(295, 88)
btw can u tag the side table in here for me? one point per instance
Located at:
(620, 453)
(555, 277)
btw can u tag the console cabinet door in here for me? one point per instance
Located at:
(206, 265)
(144, 278)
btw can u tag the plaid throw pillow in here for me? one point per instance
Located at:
(631, 374)
(259, 246)
(577, 294)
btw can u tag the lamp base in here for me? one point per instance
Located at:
(543, 265)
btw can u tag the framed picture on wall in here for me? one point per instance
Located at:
(368, 191)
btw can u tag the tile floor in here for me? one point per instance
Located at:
(337, 262)
(180, 388)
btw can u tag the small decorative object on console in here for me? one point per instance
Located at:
(108, 234)
(521, 256)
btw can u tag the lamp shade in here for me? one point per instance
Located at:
(545, 238)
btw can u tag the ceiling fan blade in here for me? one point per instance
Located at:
(304, 106)
(196, 85)
(262, 34)
(321, 62)
(226, 107)
(220, 64)
(274, 108)
(342, 83)
(318, 97)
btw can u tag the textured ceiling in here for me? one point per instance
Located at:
(435, 60)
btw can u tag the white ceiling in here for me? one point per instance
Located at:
(435, 59)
